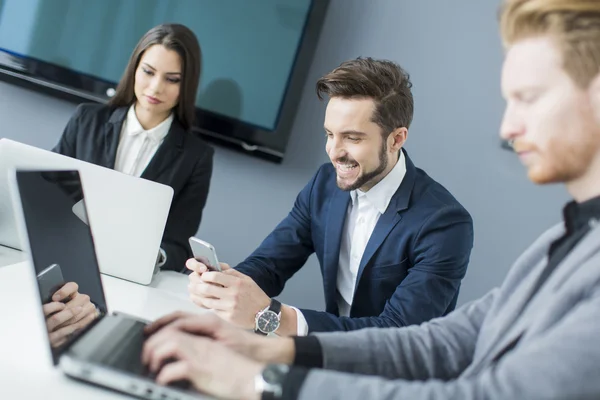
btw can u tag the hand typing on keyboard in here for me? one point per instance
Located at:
(183, 384)
(214, 356)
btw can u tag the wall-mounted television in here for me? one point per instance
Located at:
(256, 55)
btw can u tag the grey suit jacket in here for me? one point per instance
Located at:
(474, 352)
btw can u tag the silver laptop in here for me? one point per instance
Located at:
(128, 214)
(104, 349)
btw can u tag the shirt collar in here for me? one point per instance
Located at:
(381, 194)
(156, 134)
(579, 215)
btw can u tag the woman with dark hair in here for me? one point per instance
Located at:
(145, 131)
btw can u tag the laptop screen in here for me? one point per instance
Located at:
(63, 254)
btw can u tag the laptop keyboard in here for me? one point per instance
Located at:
(130, 354)
(123, 351)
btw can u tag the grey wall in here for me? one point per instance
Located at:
(453, 53)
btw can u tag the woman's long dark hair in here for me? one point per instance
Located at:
(174, 37)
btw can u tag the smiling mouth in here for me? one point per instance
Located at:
(345, 169)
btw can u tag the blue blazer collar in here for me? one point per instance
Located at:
(401, 199)
(336, 218)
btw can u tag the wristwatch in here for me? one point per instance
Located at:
(269, 383)
(267, 320)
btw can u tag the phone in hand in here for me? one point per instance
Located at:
(205, 253)
(50, 280)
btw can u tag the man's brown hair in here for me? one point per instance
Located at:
(383, 81)
(574, 25)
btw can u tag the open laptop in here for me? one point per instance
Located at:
(104, 349)
(128, 214)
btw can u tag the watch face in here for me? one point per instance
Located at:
(268, 322)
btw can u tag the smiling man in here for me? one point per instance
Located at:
(392, 243)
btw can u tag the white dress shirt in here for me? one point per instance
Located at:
(361, 217)
(137, 146)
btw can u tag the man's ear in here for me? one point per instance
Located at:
(594, 91)
(396, 139)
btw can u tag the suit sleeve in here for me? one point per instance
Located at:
(285, 250)
(441, 252)
(68, 141)
(561, 363)
(439, 349)
(186, 214)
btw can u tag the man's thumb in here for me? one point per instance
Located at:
(225, 267)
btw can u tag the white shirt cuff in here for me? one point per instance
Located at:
(301, 322)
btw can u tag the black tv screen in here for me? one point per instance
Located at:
(255, 56)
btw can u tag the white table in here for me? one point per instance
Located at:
(26, 369)
(9, 256)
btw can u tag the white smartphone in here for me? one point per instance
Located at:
(205, 253)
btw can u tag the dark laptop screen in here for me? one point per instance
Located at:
(63, 253)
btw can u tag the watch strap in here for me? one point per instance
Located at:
(275, 306)
(268, 396)
(259, 332)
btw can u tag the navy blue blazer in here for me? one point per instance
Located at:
(183, 161)
(412, 266)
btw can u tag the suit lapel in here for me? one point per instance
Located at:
(384, 226)
(112, 136)
(167, 153)
(515, 291)
(517, 323)
(333, 238)
(390, 218)
(504, 329)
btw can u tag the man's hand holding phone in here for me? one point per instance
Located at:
(198, 267)
(233, 296)
(205, 254)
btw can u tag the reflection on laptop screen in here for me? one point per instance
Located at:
(63, 253)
